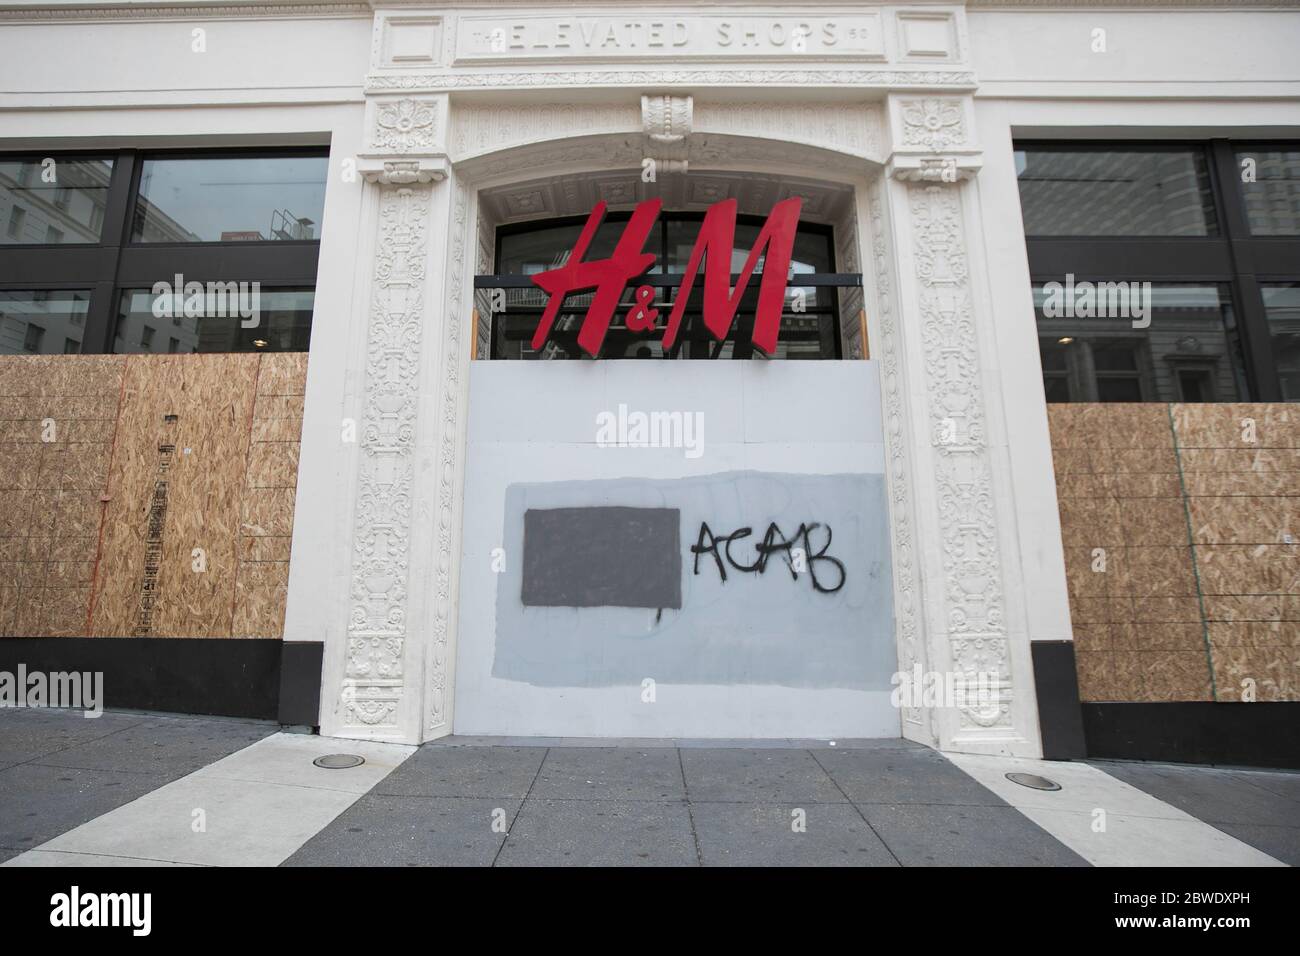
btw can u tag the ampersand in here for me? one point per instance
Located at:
(641, 317)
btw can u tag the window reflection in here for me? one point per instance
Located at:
(1189, 351)
(230, 199)
(43, 321)
(1282, 307)
(1131, 192)
(281, 322)
(1270, 188)
(53, 200)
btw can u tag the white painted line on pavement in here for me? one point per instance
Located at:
(1107, 821)
(255, 807)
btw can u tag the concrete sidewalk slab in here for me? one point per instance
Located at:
(600, 833)
(388, 830)
(610, 774)
(965, 835)
(757, 776)
(919, 776)
(252, 808)
(832, 834)
(31, 733)
(1259, 808)
(1107, 821)
(486, 772)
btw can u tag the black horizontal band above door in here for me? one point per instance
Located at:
(282, 263)
(41, 267)
(1179, 260)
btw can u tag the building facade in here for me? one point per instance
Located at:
(1045, 280)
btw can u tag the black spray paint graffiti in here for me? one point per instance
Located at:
(774, 541)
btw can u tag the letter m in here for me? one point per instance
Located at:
(775, 243)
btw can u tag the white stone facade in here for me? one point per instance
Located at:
(443, 121)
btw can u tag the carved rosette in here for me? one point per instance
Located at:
(973, 584)
(377, 627)
(933, 123)
(405, 126)
(932, 140)
(406, 145)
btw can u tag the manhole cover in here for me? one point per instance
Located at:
(339, 761)
(1033, 780)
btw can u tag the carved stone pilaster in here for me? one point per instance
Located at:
(667, 121)
(971, 631)
(374, 677)
(447, 545)
(917, 724)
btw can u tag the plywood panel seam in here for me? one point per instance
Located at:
(239, 528)
(1196, 565)
(105, 492)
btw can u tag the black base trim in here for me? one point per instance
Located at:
(1262, 734)
(228, 677)
(300, 670)
(1060, 722)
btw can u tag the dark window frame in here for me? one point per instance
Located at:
(1233, 256)
(115, 263)
(741, 349)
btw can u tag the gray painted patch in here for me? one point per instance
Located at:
(602, 557)
(769, 628)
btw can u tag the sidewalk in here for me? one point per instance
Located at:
(130, 789)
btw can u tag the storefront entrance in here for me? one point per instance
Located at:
(675, 548)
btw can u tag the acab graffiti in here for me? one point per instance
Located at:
(821, 568)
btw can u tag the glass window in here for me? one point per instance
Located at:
(1270, 190)
(1282, 307)
(808, 325)
(230, 199)
(43, 322)
(1139, 342)
(811, 251)
(53, 200)
(1073, 191)
(221, 319)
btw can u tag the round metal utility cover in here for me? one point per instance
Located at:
(1033, 780)
(339, 761)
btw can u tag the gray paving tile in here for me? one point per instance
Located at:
(1283, 784)
(735, 834)
(37, 803)
(928, 835)
(464, 772)
(610, 774)
(1213, 796)
(163, 745)
(380, 830)
(757, 776)
(904, 776)
(28, 734)
(1281, 843)
(600, 833)
(851, 743)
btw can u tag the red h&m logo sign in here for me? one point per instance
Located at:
(609, 277)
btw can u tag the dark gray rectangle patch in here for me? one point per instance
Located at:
(602, 557)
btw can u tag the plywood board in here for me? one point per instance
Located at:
(175, 485)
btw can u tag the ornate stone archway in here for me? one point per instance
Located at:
(906, 145)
